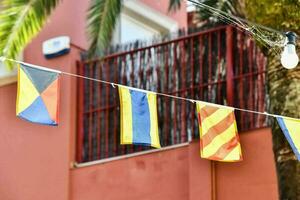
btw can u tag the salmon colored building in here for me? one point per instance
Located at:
(37, 162)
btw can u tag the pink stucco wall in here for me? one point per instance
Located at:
(162, 6)
(35, 159)
(199, 175)
(254, 177)
(181, 174)
(152, 176)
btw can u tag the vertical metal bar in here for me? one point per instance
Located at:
(261, 88)
(167, 110)
(209, 66)
(183, 85)
(99, 114)
(229, 66)
(107, 110)
(115, 113)
(140, 70)
(219, 85)
(175, 81)
(192, 87)
(200, 71)
(157, 60)
(80, 121)
(149, 71)
(263, 65)
(251, 99)
(201, 67)
(132, 70)
(241, 42)
(91, 95)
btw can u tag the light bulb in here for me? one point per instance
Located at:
(289, 58)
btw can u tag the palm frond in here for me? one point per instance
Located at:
(174, 5)
(20, 21)
(102, 18)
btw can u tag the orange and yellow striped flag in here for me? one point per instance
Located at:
(219, 139)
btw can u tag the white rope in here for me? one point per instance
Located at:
(2, 59)
(148, 91)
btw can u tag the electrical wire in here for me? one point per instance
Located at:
(199, 4)
(252, 28)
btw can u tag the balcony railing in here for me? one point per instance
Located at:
(221, 65)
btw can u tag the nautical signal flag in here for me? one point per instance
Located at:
(139, 124)
(219, 139)
(291, 130)
(38, 94)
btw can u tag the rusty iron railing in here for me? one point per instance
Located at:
(221, 65)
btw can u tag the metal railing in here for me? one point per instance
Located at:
(221, 65)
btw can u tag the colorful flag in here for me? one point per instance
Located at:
(139, 124)
(38, 94)
(291, 130)
(219, 139)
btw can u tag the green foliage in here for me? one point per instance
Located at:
(283, 15)
(20, 21)
(231, 7)
(102, 17)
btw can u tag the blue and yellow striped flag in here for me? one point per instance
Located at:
(291, 130)
(218, 133)
(139, 124)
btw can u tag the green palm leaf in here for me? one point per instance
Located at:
(102, 17)
(20, 21)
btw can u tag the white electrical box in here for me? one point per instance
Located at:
(56, 46)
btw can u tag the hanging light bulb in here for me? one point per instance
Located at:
(289, 58)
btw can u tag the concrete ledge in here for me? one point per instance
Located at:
(96, 162)
(8, 80)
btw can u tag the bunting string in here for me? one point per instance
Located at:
(2, 59)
